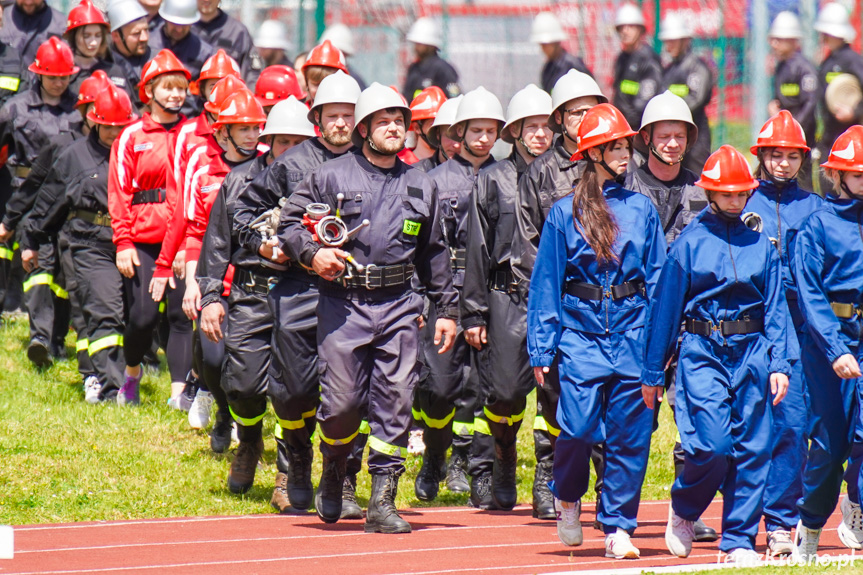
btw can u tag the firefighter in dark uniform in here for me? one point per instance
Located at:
(445, 146)
(221, 30)
(429, 69)
(667, 132)
(87, 35)
(836, 33)
(688, 76)
(27, 25)
(547, 31)
(292, 378)
(272, 44)
(368, 334)
(130, 48)
(637, 70)
(549, 178)
(493, 309)
(177, 36)
(79, 179)
(10, 83)
(28, 122)
(223, 259)
(452, 377)
(795, 83)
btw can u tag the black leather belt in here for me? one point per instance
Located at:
(95, 218)
(254, 283)
(503, 280)
(846, 310)
(594, 292)
(458, 259)
(738, 327)
(154, 196)
(374, 277)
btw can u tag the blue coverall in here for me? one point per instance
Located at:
(828, 267)
(600, 342)
(719, 270)
(782, 213)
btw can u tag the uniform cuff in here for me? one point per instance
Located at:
(470, 321)
(834, 353)
(161, 271)
(123, 245)
(542, 360)
(653, 378)
(448, 312)
(211, 297)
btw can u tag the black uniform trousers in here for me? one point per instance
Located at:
(46, 298)
(144, 317)
(79, 324)
(99, 286)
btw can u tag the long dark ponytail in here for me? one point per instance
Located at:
(592, 217)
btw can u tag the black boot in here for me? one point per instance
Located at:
(300, 477)
(350, 508)
(429, 477)
(220, 435)
(543, 500)
(456, 476)
(382, 516)
(504, 491)
(480, 491)
(328, 499)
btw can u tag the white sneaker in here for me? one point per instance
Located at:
(619, 546)
(568, 523)
(199, 414)
(92, 389)
(851, 527)
(234, 437)
(416, 445)
(679, 534)
(780, 544)
(743, 557)
(807, 544)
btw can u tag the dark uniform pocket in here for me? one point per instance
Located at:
(415, 215)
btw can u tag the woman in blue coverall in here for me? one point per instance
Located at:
(724, 281)
(598, 261)
(781, 207)
(828, 267)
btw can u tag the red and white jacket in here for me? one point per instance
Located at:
(141, 161)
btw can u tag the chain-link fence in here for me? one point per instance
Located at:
(488, 41)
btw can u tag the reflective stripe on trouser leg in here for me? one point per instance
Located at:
(79, 324)
(834, 416)
(99, 288)
(505, 428)
(293, 382)
(601, 401)
(247, 354)
(722, 410)
(368, 352)
(446, 382)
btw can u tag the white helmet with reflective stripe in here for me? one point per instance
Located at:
(572, 85)
(121, 12)
(373, 99)
(629, 14)
(786, 25)
(339, 36)
(668, 107)
(289, 117)
(338, 88)
(546, 29)
(834, 20)
(675, 26)
(444, 119)
(425, 31)
(529, 101)
(478, 104)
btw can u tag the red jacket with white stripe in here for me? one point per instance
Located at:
(141, 160)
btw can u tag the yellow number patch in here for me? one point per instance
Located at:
(411, 228)
(9, 83)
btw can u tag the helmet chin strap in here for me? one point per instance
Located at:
(171, 110)
(848, 191)
(521, 141)
(658, 156)
(375, 148)
(245, 152)
(619, 178)
(727, 216)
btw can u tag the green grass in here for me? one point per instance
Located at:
(65, 460)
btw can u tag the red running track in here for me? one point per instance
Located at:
(445, 541)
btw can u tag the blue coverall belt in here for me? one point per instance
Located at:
(95, 218)
(738, 327)
(503, 280)
(154, 196)
(373, 277)
(252, 282)
(594, 292)
(457, 259)
(846, 310)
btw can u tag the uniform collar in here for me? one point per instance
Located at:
(520, 164)
(151, 125)
(468, 166)
(34, 98)
(562, 155)
(366, 165)
(846, 209)
(770, 189)
(202, 126)
(215, 23)
(96, 147)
